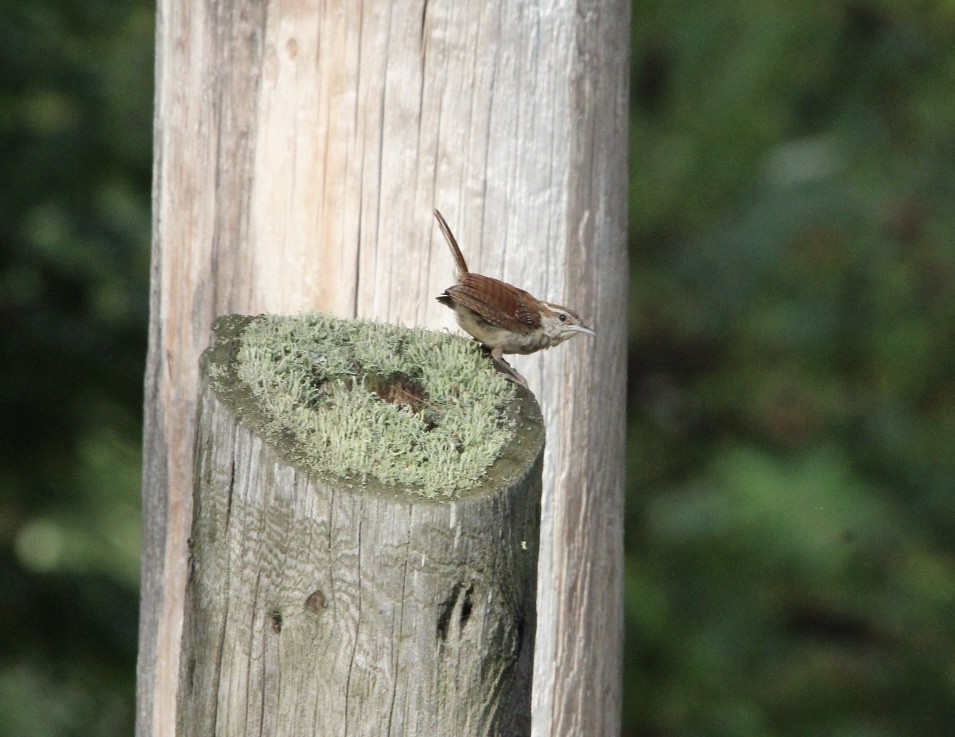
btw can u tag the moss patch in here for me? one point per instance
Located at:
(409, 407)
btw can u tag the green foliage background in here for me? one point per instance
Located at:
(791, 525)
(790, 520)
(75, 160)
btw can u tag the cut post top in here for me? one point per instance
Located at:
(380, 408)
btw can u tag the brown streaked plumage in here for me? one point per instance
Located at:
(501, 316)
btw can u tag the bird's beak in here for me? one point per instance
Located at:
(583, 329)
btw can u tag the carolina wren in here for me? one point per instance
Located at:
(501, 316)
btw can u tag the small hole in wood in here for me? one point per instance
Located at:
(459, 597)
(466, 606)
(275, 618)
(316, 601)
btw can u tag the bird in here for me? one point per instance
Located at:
(502, 317)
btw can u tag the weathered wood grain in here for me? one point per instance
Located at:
(316, 607)
(299, 150)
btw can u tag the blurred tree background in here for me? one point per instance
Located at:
(790, 521)
(75, 157)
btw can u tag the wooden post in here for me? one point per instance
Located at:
(318, 606)
(300, 147)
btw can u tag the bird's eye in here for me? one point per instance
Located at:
(562, 317)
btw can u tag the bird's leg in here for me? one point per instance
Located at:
(511, 373)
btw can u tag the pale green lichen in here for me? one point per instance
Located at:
(325, 382)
